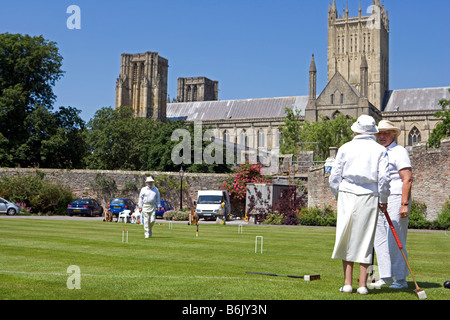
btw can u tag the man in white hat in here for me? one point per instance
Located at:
(149, 200)
(391, 263)
(359, 180)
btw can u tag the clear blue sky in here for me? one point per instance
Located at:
(254, 48)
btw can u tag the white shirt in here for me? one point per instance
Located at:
(398, 160)
(149, 195)
(361, 167)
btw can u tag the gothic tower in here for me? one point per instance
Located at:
(197, 89)
(352, 38)
(142, 84)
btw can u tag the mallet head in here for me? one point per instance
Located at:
(311, 277)
(420, 293)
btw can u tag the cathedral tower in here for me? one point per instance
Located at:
(351, 39)
(142, 84)
(197, 89)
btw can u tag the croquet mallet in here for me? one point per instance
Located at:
(310, 277)
(420, 293)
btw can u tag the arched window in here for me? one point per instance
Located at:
(142, 72)
(261, 138)
(135, 72)
(188, 93)
(194, 93)
(279, 138)
(226, 138)
(244, 139)
(414, 136)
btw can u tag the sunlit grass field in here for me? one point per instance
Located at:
(175, 264)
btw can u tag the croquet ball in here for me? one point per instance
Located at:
(447, 284)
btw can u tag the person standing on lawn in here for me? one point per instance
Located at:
(359, 180)
(390, 259)
(149, 200)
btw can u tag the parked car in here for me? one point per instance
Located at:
(8, 207)
(165, 206)
(117, 205)
(88, 207)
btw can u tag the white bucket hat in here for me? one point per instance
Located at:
(386, 125)
(365, 125)
(149, 179)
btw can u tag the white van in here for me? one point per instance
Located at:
(209, 204)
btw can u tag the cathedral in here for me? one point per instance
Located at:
(357, 83)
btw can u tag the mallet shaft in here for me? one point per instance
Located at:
(311, 277)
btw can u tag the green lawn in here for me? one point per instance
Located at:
(177, 265)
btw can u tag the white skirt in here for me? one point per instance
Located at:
(355, 227)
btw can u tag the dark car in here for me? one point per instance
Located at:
(165, 206)
(117, 205)
(89, 207)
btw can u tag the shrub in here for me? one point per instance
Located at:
(274, 218)
(317, 217)
(176, 215)
(443, 219)
(417, 216)
(33, 191)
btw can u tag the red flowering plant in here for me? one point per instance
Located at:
(236, 185)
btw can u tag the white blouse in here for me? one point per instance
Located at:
(361, 167)
(398, 160)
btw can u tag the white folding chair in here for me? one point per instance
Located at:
(124, 215)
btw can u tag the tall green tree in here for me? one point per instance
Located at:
(290, 132)
(297, 135)
(30, 132)
(442, 129)
(116, 139)
(119, 140)
(32, 62)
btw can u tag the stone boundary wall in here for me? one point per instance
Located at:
(431, 174)
(126, 183)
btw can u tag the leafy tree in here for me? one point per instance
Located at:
(114, 139)
(442, 129)
(54, 140)
(290, 132)
(32, 62)
(327, 133)
(72, 148)
(119, 140)
(30, 133)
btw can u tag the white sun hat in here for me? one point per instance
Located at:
(149, 179)
(386, 125)
(365, 125)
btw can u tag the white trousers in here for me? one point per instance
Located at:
(148, 213)
(389, 257)
(355, 227)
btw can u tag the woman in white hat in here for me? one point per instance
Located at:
(149, 200)
(360, 181)
(391, 263)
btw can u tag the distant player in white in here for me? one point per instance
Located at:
(149, 200)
